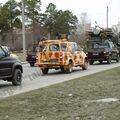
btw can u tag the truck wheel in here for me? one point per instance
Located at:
(17, 77)
(100, 61)
(32, 64)
(109, 60)
(85, 66)
(62, 69)
(91, 62)
(69, 67)
(45, 71)
(118, 58)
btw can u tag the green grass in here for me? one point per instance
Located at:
(68, 100)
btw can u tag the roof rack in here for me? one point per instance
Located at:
(51, 41)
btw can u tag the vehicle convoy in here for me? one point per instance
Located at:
(101, 48)
(31, 55)
(60, 54)
(10, 68)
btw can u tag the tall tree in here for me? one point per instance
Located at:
(9, 18)
(13, 13)
(4, 17)
(65, 21)
(50, 15)
(59, 21)
(33, 13)
(4, 26)
(32, 10)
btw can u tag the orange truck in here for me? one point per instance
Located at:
(60, 54)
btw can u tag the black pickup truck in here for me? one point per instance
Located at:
(10, 68)
(102, 51)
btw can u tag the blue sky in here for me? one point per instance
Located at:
(95, 9)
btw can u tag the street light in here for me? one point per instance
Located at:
(23, 31)
(107, 15)
(108, 12)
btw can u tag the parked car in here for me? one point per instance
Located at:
(60, 54)
(10, 68)
(102, 51)
(31, 55)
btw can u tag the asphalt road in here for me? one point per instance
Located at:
(33, 78)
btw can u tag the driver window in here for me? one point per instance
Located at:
(54, 47)
(2, 54)
(73, 47)
(76, 47)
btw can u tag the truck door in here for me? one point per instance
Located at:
(75, 53)
(5, 65)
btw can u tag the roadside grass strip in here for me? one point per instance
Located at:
(92, 97)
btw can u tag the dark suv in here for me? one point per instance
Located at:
(31, 55)
(10, 68)
(102, 51)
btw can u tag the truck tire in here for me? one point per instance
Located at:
(100, 61)
(17, 77)
(69, 67)
(109, 60)
(32, 64)
(85, 66)
(45, 71)
(91, 62)
(118, 58)
(62, 69)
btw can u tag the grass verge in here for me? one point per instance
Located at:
(71, 100)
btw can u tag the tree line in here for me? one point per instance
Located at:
(53, 20)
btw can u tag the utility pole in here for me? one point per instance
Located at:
(23, 31)
(107, 15)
